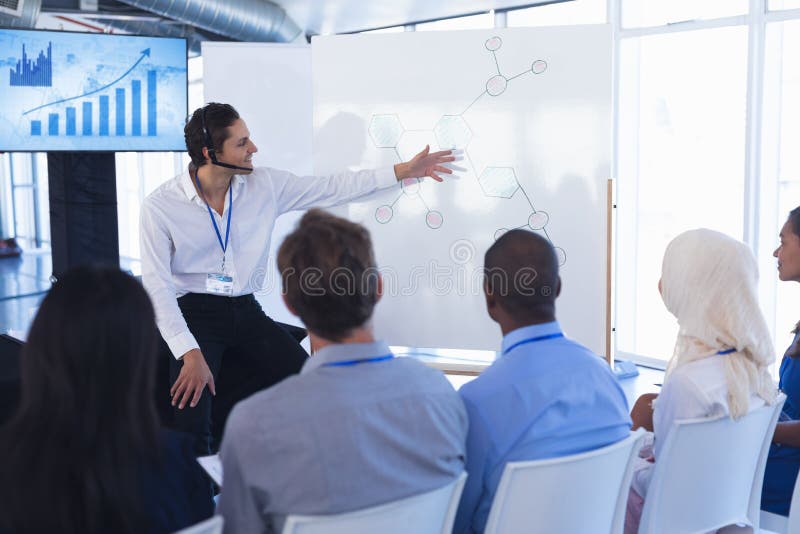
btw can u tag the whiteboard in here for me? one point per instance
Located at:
(532, 109)
(270, 86)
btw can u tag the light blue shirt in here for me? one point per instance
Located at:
(540, 399)
(340, 436)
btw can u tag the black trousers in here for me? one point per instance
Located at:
(246, 352)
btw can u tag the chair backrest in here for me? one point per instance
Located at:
(542, 495)
(709, 473)
(209, 526)
(781, 524)
(429, 513)
(794, 510)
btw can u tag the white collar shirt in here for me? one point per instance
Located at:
(179, 246)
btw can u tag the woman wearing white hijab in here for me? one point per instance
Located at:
(719, 365)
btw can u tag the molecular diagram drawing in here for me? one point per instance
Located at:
(452, 131)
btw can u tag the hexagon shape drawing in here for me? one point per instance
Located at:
(498, 182)
(452, 131)
(385, 130)
(412, 141)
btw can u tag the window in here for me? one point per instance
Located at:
(574, 12)
(775, 5)
(637, 13)
(780, 170)
(24, 199)
(470, 22)
(680, 163)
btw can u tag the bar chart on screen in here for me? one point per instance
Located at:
(65, 93)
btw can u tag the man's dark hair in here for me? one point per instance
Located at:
(329, 274)
(217, 118)
(521, 270)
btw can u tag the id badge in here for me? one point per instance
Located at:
(219, 284)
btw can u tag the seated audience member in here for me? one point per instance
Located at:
(546, 396)
(83, 453)
(357, 427)
(784, 456)
(719, 365)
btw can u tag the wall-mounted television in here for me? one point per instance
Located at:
(91, 92)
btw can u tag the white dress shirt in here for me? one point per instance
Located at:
(180, 247)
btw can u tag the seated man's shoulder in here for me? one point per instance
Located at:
(265, 407)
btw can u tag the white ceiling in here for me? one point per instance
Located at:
(341, 16)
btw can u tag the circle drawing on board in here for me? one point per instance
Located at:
(539, 66)
(462, 251)
(384, 214)
(493, 43)
(496, 85)
(450, 131)
(410, 186)
(561, 255)
(434, 219)
(538, 220)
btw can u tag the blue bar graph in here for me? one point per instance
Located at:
(37, 73)
(136, 107)
(52, 124)
(71, 130)
(151, 102)
(120, 111)
(87, 118)
(27, 71)
(103, 129)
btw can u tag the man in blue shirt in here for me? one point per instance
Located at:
(546, 396)
(357, 427)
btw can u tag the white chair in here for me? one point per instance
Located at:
(429, 513)
(709, 474)
(582, 493)
(780, 524)
(209, 526)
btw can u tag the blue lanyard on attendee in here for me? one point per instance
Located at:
(726, 351)
(214, 222)
(533, 340)
(348, 363)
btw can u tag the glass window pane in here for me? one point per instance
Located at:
(680, 164)
(636, 13)
(43, 192)
(780, 172)
(24, 216)
(574, 12)
(776, 5)
(471, 22)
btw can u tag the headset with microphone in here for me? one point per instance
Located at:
(212, 154)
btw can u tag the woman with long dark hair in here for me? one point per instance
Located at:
(784, 455)
(84, 452)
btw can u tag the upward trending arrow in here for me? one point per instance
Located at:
(145, 53)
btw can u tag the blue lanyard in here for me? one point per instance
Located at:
(214, 222)
(533, 340)
(726, 351)
(350, 363)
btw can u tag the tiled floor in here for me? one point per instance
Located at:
(23, 283)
